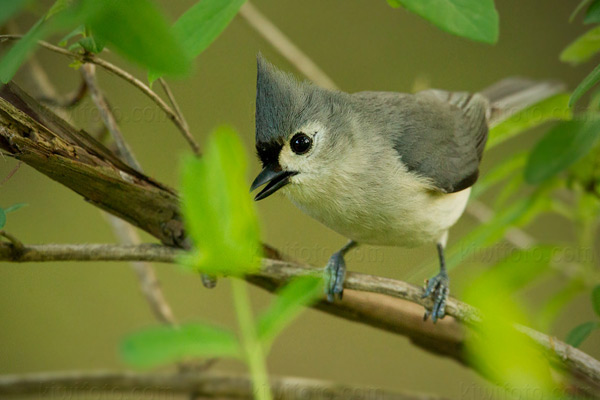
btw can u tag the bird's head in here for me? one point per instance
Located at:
(298, 126)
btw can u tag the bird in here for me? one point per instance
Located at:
(380, 168)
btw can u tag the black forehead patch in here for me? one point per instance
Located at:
(268, 152)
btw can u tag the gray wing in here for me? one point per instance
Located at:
(439, 135)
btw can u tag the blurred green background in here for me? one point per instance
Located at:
(57, 316)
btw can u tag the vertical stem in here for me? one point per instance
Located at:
(255, 356)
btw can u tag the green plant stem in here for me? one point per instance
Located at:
(253, 348)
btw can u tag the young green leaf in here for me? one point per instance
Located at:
(473, 19)
(394, 3)
(290, 300)
(562, 146)
(92, 44)
(219, 211)
(164, 344)
(552, 108)
(14, 207)
(592, 15)
(581, 332)
(501, 352)
(596, 300)
(2, 218)
(9, 8)
(200, 25)
(138, 30)
(583, 48)
(586, 84)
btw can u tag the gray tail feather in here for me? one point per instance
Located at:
(512, 95)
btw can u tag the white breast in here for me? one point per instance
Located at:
(382, 205)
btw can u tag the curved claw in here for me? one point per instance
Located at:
(438, 287)
(335, 274)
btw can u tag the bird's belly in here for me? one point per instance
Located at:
(401, 219)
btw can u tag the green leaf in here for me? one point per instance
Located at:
(201, 24)
(498, 350)
(596, 299)
(552, 108)
(299, 293)
(92, 44)
(583, 48)
(498, 174)
(12, 60)
(138, 30)
(2, 218)
(14, 207)
(473, 19)
(581, 332)
(562, 146)
(586, 84)
(219, 212)
(394, 3)
(9, 8)
(162, 345)
(592, 15)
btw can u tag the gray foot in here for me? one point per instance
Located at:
(438, 289)
(335, 273)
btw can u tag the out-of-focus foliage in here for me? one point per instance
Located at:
(561, 147)
(137, 29)
(473, 19)
(199, 26)
(585, 47)
(164, 344)
(501, 352)
(220, 213)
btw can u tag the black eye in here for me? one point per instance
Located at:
(301, 143)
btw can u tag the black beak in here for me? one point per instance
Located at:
(275, 179)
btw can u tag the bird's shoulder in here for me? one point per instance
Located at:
(437, 134)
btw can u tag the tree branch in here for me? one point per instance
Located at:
(381, 302)
(213, 385)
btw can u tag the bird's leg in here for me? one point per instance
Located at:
(335, 272)
(438, 288)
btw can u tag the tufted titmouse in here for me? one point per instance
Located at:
(380, 168)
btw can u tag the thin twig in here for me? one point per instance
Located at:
(88, 58)
(175, 105)
(285, 46)
(146, 275)
(11, 173)
(108, 118)
(126, 233)
(213, 385)
(275, 273)
(67, 101)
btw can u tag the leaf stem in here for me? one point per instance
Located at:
(253, 348)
